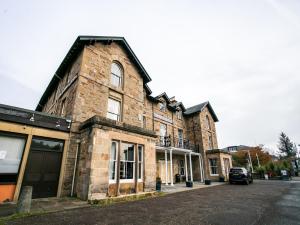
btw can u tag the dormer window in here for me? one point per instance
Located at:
(179, 114)
(162, 106)
(116, 75)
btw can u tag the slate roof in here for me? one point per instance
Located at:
(198, 108)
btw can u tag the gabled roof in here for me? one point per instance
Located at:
(77, 46)
(198, 108)
(178, 104)
(165, 96)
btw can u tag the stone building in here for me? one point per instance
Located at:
(122, 138)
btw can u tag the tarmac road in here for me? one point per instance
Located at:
(263, 202)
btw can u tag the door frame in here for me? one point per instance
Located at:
(30, 131)
(43, 151)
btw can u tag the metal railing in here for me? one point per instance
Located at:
(168, 141)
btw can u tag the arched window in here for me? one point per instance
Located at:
(207, 123)
(116, 74)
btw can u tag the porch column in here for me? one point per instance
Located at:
(200, 167)
(166, 164)
(191, 168)
(171, 168)
(186, 170)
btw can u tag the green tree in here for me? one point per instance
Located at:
(286, 146)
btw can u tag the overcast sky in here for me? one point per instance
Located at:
(242, 56)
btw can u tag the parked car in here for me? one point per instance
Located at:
(240, 174)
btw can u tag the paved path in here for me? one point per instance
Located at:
(264, 202)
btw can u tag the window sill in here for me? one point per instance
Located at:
(126, 181)
(214, 175)
(116, 89)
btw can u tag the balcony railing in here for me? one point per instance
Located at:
(168, 141)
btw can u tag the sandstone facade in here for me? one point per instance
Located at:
(82, 91)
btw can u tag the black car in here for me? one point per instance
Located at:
(240, 174)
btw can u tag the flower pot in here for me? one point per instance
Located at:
(189, 183)
(158, 185)
(207, 182)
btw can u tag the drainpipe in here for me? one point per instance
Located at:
(75, 166)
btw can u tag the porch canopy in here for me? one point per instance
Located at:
(185, 152)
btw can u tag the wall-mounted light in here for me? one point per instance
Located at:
(32, 118)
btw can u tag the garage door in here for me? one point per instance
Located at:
(43, 167)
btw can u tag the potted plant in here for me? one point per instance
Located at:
(158, 184)
(207, 181)
(189, 183)
(221, 178)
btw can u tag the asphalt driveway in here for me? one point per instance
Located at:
(264, 202)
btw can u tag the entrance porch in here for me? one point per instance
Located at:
(176, 165)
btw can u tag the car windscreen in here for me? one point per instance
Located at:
(235, 170)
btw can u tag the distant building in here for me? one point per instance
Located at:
(236, 148)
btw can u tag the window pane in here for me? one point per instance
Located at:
(122, 170)
(113, 109)
(140, 171)
(113, 151)
(116, 74)
(129, 170)
(112, 169)
(11, 150)
(113, 106)
(116, 69)
(163, 130)
(115, 80)
(131, 153)
(42, 144)
(127, 152)
(140, 153)
(112, 116)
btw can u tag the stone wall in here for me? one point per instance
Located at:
(93, 176)
(95, 88)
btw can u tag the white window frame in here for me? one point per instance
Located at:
(120, 77)
(179, 114)
(180, 139)
(116, 162)
(162, 106)
(140, 161)
(112, 113)
(133, 177)
(216, 166)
